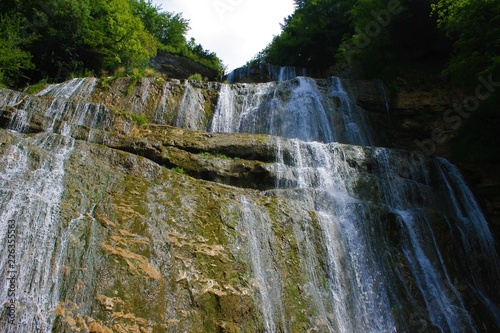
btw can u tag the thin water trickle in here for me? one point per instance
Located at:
(381, 236)
(385, 99)
(31, 191)
(78, 88)
(191, 113)
(257, 230)
(362, 293)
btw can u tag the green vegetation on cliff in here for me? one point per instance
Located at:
(58, 39)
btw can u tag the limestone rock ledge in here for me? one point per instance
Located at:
(150, 237)
(142, 247)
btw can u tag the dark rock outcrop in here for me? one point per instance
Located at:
(260, 73)
(419, 120)
(179, 67)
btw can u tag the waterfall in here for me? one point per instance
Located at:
(297, 108)
(286, 73)
(78, 88)
(357, 287)
(191, 113)
(378, 280)
(56, 114)
(467, 211)
(31, 186)
(161, 108)
(256, 228)
(355, 125)
(352, 238)
(238, 102)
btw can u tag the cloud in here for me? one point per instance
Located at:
(234, 29)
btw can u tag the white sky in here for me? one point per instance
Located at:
(235, 30)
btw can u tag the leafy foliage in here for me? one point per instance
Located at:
(311, 35)
(393, 35)
(57, 39)
(196, 52)
(195, 77)
(376, 34)
(474, 27)
(36, 87)
(13, 59)
(179, 170)
(168, 28)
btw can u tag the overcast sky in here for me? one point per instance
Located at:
(234, 29)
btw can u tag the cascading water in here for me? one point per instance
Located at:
(191, 110)
(372, 275)
(58, 114)
(78, 88)
(356, 284)
(376, 240)
(30, 198)
(297, 108)
(31, 186)
(257, 230)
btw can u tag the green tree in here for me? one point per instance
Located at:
(474, 28)
(391, 36)
(116, 35)
(14, 61)
(168, 28)
(68, 37)
(311, 35)
(56, 39)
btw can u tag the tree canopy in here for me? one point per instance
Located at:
(474, 28)
(382, 35)
(56, 39)
(311, 35)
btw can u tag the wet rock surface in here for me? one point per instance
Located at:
(138, 225)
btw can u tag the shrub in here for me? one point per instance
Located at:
(139, 119)
(195, 77)
(36, 87)
(179, 170)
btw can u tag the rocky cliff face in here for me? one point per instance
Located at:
(428, 120)
(179, 67)
(131, 214)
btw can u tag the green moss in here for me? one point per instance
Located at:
(131, 86)
(223, 157)
(195, 77)
(178, 170)
(205, 154)
(139, 119)
(36, 87)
